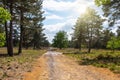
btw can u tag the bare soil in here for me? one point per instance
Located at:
(55, 66)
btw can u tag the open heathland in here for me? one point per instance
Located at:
(99, 58)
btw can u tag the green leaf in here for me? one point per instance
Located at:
(2, 39)
(4, 15)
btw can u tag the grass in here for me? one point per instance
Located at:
(98, 58)
(18, 64)
(27, 56)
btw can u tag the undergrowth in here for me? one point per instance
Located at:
(98, 58)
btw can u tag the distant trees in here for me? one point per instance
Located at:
(105, 37)
(111, 11)
(88, 30)
(60, 40)
(113, 43)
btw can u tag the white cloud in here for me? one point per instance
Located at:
(69, 33)
(77, 6)
(54, 27)
(47, 13)
(59, 26)
(55, 5)
(54, 17)
(50, 37)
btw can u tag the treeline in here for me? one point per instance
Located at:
(89, 31)
(25, 27)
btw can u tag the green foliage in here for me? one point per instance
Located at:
(4, 15)
(39, 39)
(79, 33)
(105, 37)
(60, 40)
(28, 56)
(33, 35)
(114, 43)
(111, 10)
(101, 2)
(88, 27)
(2, 39)
(98, 58)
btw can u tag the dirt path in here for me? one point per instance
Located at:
(55, 66)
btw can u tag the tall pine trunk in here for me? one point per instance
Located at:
(90, 41)
(11, 32)
(7, 33)
(21, 32)
(7, 38)
(80, 43)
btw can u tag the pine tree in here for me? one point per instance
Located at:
(110, 9)
(86, 27)
(26, 18)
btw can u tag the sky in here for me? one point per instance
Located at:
(62, 15)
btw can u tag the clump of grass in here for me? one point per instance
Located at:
(26, 56)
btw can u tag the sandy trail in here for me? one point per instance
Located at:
(55, 66)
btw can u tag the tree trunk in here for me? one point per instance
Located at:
(90, 41)
(7, 35)
(89, 44)
(79, 42)
(21, 33)
(10, 33)
(89, 49)
(7, 38)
